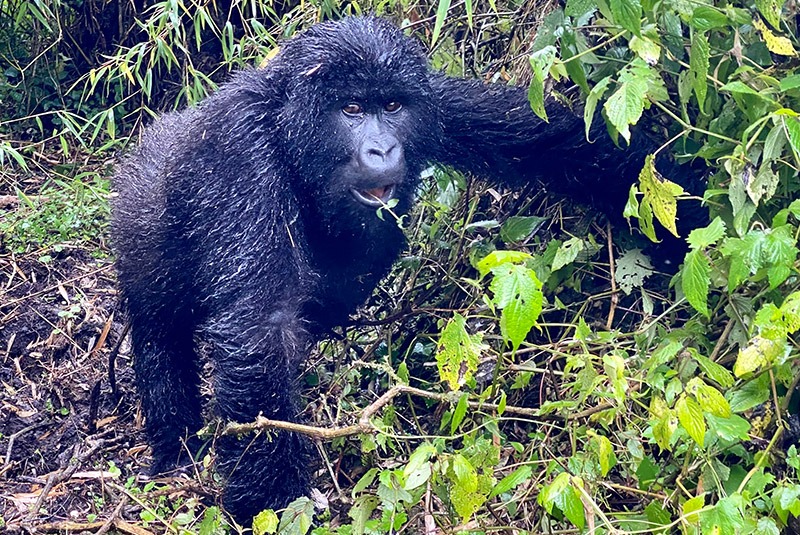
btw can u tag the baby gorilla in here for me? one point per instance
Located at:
(249, 221)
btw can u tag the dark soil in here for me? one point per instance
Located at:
(67, 445)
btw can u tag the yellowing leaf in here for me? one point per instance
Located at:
(660, 194)
(459, 352)
(760, 352)
(775, 43)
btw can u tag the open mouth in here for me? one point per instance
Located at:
(375, 197)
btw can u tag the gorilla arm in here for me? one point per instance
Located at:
(490, 130)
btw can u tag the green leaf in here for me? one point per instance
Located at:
(568, 252)
(561, 494)
(698, 66)
(724, 517)
(704, 237)
(605, 454)
(541, 62)
(518, 293)
(625, 106)
(628, 14)
(441, 15)
(691, 419)
(733, 428)
(361, 511)
(695, 280)
(692, 505)
(592, 99)
(646, 49)
(265, 522)
(766, 526)
(706, 18)
(512, 480)
(458, 352)
(764, 184)
(296, 519)
(715, 372)
(771, 10)
(751, 394)
(740, 88)
(709, 398)
(459, 413)
(518, 228)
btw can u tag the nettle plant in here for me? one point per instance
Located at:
(687, 413)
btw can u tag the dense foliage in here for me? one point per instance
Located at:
(547, 379)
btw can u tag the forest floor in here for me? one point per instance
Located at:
(71, 449)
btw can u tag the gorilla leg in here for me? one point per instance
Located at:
(256, 371)
(168, 382)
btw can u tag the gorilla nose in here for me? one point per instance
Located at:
(382, 157)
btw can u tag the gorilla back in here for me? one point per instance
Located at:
(250, 220)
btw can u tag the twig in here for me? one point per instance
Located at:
(115, 515)
(65, 473)
(614, 294)
(13, 437)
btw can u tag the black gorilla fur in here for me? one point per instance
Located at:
(239, 221)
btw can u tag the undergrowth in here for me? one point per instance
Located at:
(551, 379)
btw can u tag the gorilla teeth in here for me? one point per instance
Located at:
(375, 197)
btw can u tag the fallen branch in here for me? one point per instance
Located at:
(365, 426)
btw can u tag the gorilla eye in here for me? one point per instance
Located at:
(353, 109)
(392, 106)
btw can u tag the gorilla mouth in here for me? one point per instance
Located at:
(375, 197)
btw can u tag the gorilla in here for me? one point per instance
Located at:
(248, 222)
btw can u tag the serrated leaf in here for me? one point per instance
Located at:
(561, 494)
(706, 18)
(715, 372)
(770, 10)
(750, 394)
(773, 145)
(776, 44)
(698, 66)
(512, 480)
(760, 352)
(739, 87)
(695, 280)
(498, 258)
(517, 292)
(724, 517)
(458, 352)
(518, 228)
(605, 454)
(625, 106)
(361, 511)
(764, 185)
(660, 194)
(628, 14)
(631, 269)
(711, 400)
(568, 252)
(265, 522)
(296, 519)
(701, 238)
(691, 419)
(646, 49)
(541, 61)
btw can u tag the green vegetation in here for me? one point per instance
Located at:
(554, 386)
